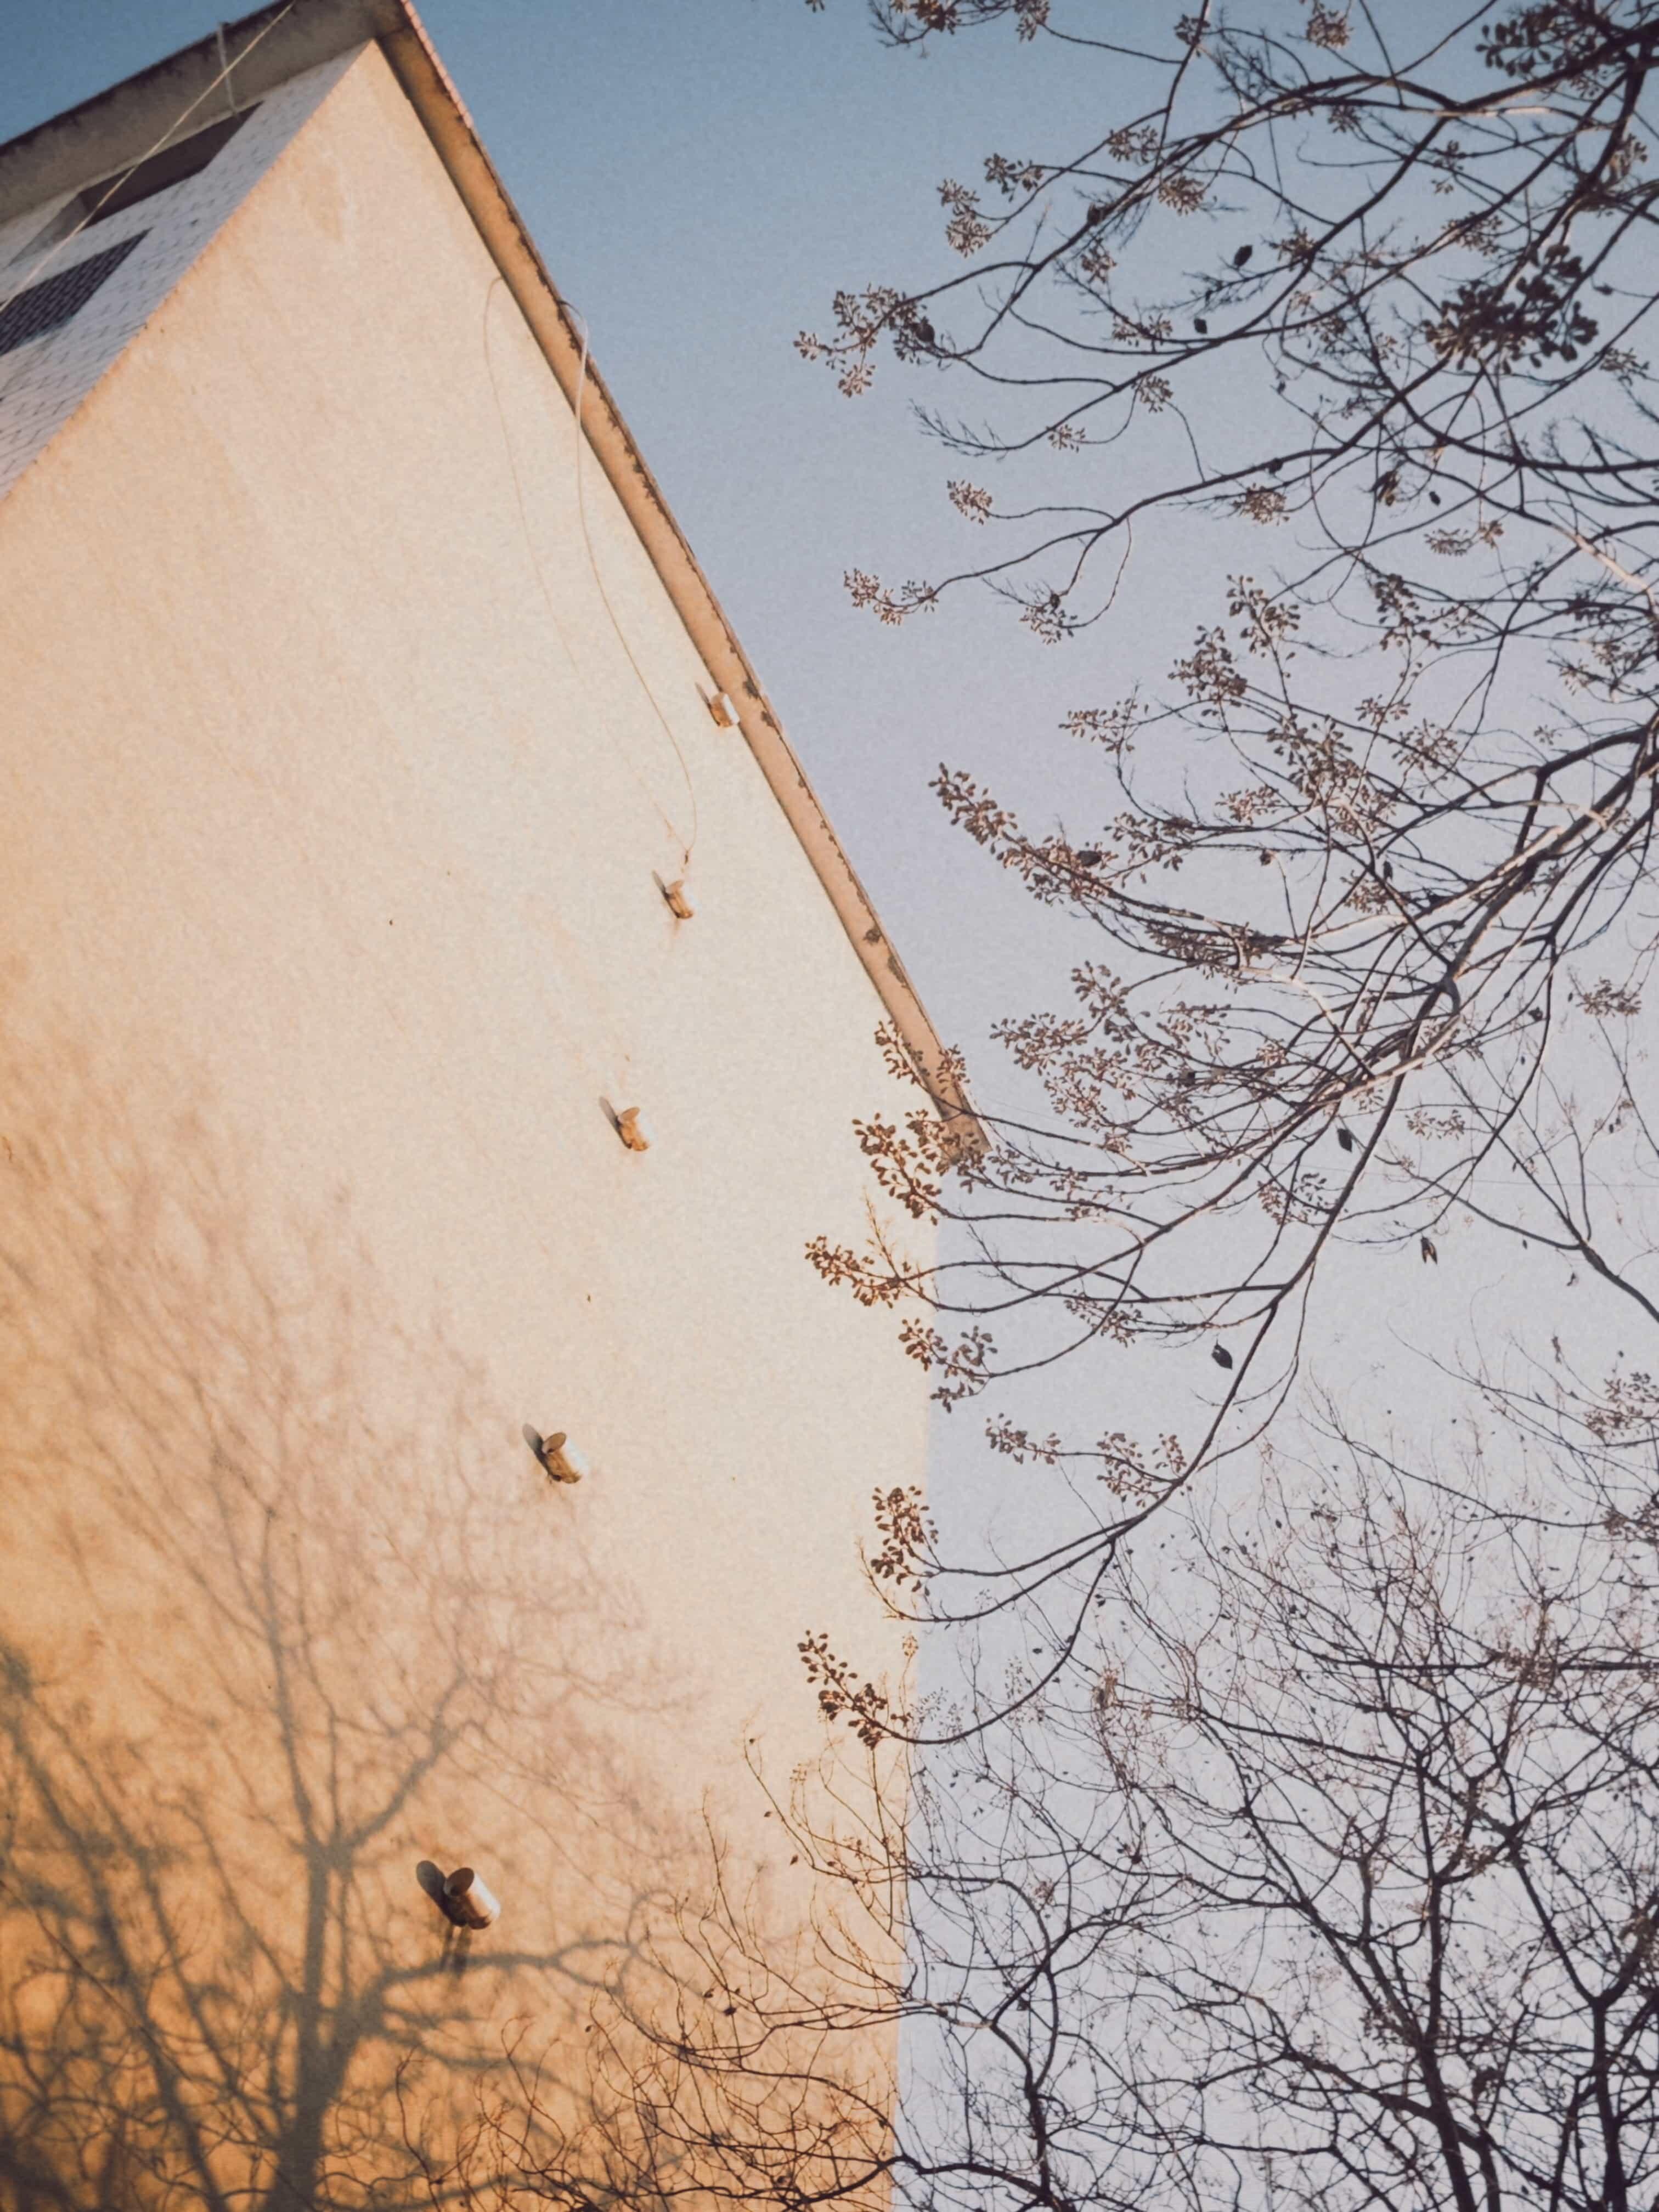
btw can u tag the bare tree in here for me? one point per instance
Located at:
(1337, 318)
(1318, 1864)
(765, 2069)
(1335, 1883)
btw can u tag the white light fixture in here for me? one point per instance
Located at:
(721, 712)
(465, 1901)
(559, 1458)
(468, 1902)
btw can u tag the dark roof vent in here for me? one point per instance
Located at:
(187, 158)
(56, 298)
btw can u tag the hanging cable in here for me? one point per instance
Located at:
(684, 844)
(581, 514)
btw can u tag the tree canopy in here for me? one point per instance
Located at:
(1340, 313)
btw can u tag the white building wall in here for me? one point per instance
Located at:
(335, 797)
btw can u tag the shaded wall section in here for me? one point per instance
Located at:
(276, 1628)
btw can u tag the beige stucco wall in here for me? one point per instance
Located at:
(333, 806)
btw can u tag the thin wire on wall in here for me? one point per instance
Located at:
(684, 843)
(622, 638)
(518, 486)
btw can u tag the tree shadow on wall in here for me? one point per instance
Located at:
(287, 1615)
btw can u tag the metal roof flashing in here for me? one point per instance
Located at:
(121, 126)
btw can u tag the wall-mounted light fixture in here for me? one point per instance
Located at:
(633, 1129)
(721, 712)
(675, 899)
(465, 1901)
(559, 1460)
(468, 1902)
